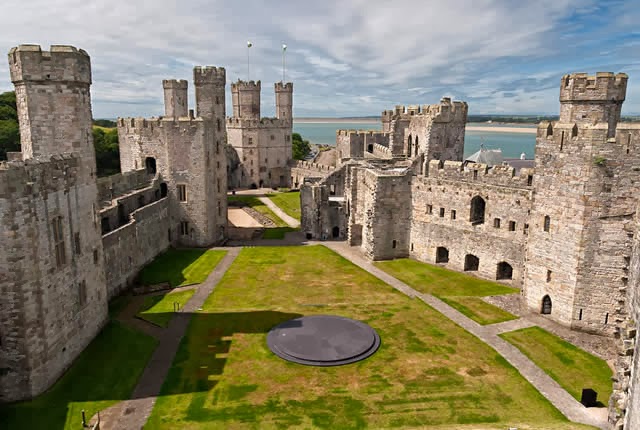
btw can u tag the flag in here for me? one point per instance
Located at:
(284, 47)
(249, 44)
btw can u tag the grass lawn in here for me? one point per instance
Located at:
(256, 204)
(427, 372)
(570, 366)
(181, 267)
(288, 202)
(456, 289)
(158, 309)
(105, 373)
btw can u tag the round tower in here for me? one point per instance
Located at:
(246, 99)
(592, 99)
(210, 91)
(284, 100)
(175, 98)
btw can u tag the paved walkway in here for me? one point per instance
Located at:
(275, 208)
(549, 388)
(133, 414)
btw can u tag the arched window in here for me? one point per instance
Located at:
(504, 271)
(477, 210)
(574, 130)
(150, 165)
(546, 305)
(549, 130)
(547, 223)
(415, 151)
(442, 255)
(335, 232)
(471, 263)
(409, 144)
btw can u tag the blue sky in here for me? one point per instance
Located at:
(346, 57)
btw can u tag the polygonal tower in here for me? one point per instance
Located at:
(246, 99)
(210, 86)
(175, 98)
(284, 100)
(579, 230)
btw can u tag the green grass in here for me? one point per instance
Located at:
(277, 232)
(181, 267)
(117, 305)
(104, 373)
(570, 366)
(457, 289)
(288, 202)
(256, 204)
(159, 309)
(427, 372)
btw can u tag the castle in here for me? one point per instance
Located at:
(566, 232)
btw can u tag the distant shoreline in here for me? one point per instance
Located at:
(493, 128)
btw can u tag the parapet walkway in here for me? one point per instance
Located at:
(550, 389)
(133, 414)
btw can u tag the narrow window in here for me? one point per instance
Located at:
(184, 228)
(548, 275)
(217, 147)
(561, 141)
(219, 126)
(475, 174)
(441, 212)
(512, 226)
(606, 318)
(547, 223)
(574, 131)
(218, 164)
(549, 130)
(217, 100)
(496, 222)
(429, 209)
(82, 293)
(218, 185)
(273, 137)
(250, 140)
(95, 256)
(412, 247)
(182, 193)
(394, 243)
(525, 230)
(76, 242)
(529, 180)
(580, 315)
(628, 142)
(58, 241)
(219, 209)
(453, 214)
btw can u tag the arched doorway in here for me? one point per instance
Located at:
(546, 305)
(442, 255)
(370, 148)
(471, 263)
(262, 182)
(335, 232)
(150, 165)
(163, 190)
(476, 215)
(504, 271)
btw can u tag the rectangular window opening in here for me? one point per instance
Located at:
(512, 226)
(496, 222)
(182, 193)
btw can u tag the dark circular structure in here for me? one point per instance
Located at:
(323, 340)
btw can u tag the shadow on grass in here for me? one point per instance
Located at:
(202, 354)
(171, 265)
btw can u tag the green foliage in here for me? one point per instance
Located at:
(599, 161)
(301, 148)
(106, 123)
(105, 142)
(9, 130)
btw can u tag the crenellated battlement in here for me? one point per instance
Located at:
(133, 125)
(503, 175)
(371, 133)
(445, 111)
(288, 86)
(246, 86)
(62, 63)
(235, 122)
(176, 84)
(209, 75)
(41, 175)
(604, 86)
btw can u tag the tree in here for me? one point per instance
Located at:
(9, 129)
(105, 142)
(300, 147)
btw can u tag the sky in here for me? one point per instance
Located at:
(345, 57)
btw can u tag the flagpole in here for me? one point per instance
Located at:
(284, 49)
(249, 45)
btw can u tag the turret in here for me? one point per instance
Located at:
(284, 100)
(175, 98)
(246, 99)
(53, 100)
(592, 99)
(210, 91)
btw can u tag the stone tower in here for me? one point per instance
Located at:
(246, 99)
(580, 224)
(54, 296)
(175, 98)
(284, 100)
(210, 92)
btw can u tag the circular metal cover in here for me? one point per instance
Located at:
(323, 340)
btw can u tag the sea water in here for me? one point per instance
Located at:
(511, 144)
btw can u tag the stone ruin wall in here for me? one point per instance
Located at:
(187, 151)
(441, 210)
(300, 170)
(135, 226)
(45, 326)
